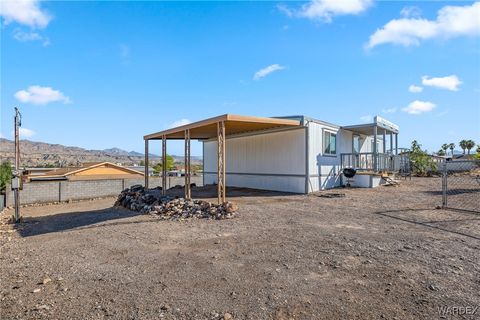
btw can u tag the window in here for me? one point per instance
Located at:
(329, 143)
(356, 144)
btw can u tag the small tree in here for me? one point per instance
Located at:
(441, 152)
(5, 174)
(463, 145)
(422, 163)
(170, 165)
(470, 145)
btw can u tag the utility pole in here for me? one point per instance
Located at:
(17, 175)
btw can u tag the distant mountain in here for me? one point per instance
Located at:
(37, 154)
(121, 152)
(138, 154)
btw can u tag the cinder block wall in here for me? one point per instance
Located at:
(35, 193)
(53, 191)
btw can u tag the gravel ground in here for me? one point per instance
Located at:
(372, 254)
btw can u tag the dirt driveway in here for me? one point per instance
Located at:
(373, 254)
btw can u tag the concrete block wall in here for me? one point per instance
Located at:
(72, 190)
(35, 193)
(53, 191)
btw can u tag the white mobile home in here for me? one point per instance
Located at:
(291, 154)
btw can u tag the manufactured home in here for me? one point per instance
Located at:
(290, 154)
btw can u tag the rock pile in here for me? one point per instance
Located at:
(142, 200)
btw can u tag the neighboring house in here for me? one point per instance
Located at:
(293, 154)
(37, 171)
(470, 156)
(142, 170)
(89, 171)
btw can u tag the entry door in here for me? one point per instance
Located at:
(356, 143)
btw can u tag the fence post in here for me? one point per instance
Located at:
(444, 185)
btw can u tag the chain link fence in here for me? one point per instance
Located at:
(461, 184)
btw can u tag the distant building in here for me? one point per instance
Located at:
(88, 171)
(37, 171)
(142, 170)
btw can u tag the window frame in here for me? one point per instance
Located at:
(359, 143)
(324, 135)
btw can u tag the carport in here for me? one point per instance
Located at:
(217, 127)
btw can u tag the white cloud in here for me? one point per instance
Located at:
(415, 89)
(41, 95)
(24, 133)
(367, 118)
(325, 10)
(449, 83)
(411, 12)
(26, 12)
(286, 10)
(451, 21)
(23, 36)
(418, 107)
(389, 110)
(179, 123)
(267, 70)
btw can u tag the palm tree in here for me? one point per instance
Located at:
(463, 145)
(445, 148)
(451, 146)
(469, 145)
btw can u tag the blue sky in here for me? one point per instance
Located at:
(103, 74)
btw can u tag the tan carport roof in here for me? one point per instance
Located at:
(234, 124)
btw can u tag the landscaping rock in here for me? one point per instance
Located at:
(151, 201)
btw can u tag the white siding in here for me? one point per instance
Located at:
(324, 169)
(270, 161)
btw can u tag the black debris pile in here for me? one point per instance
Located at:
(151, 201)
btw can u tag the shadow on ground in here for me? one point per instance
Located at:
(32, 226)
(453, 191)
(210, 191)
(433, 223)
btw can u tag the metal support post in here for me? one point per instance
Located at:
(188, 191)
(396, 143)
(146, 164)
(17, 174)
(384, 141)
(391, 143)
(221, 161)
(444, 185)
(375, 149)
(164, 165)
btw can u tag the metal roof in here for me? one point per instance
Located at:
(234, 124)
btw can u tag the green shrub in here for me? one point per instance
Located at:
(421, 162)
(5, 174)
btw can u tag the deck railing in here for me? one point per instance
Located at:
(368, 161)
